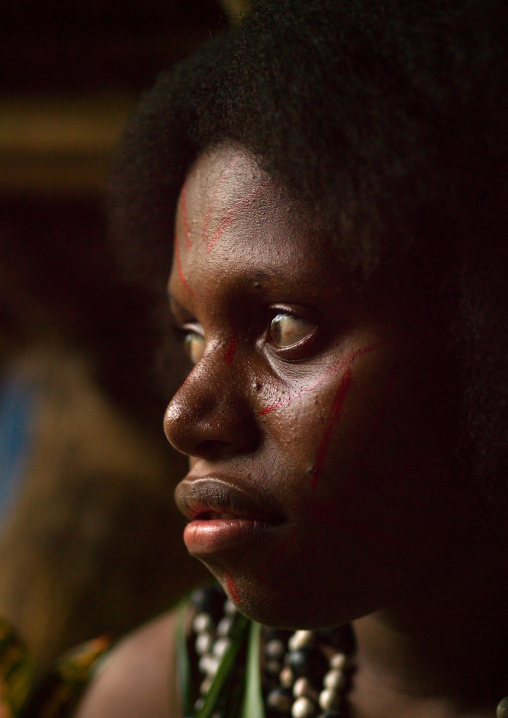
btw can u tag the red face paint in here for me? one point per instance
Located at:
(233, 590)
(204, 235)
(180, 270)
(338, 402)
(240, 206)
(231, 350)
(185, 221)
(283, 403)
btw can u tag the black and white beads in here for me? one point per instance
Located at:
(212, 626)
(313, 676)
(305, 674)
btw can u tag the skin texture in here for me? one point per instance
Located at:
(330, 410)
(338, 424)
(339, 435)
(139, 678)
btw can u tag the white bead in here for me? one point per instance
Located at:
(329, 700)
(300, 639)
(198, 705)
(220, 647)
(286, 677)
(334, 680)
(202, 622)
(209, 665)
(204, 643)
(338, 661)
(205, 686)
(274, 648)
(302, 687)
(204, 662)
(224, 626)
(213, 665)
(230, 608)
(303, 708)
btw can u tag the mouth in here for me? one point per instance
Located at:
(221, 516)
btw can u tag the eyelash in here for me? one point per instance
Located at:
(184, 334)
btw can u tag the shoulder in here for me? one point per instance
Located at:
(138, 677)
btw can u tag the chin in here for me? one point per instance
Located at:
(286, 606)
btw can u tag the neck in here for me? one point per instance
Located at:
(444, 656)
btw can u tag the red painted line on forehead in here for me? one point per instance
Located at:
(179, 268)
(242, 204)
(223, 176)
(283, 403)
(336, 410)
(231, 350)
(185, 219)
(232, 587)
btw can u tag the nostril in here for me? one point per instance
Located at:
(214, 449)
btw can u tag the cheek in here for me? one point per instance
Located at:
(360, 460)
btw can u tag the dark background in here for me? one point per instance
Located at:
(92, 543)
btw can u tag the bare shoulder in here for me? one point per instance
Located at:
(138, 679)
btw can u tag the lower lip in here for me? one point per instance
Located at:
(206, 537)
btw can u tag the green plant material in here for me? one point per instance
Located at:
(226, 666)
(16, 668)
(182, 658)
(253, 706)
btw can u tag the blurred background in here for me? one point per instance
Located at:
(89, 539)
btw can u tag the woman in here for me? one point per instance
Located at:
(336, 173)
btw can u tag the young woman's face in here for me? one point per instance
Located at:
(319, 487)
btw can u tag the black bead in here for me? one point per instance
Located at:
(309, 663)
(333, 714)
(340, 637)
(284, 697)
(209, 600)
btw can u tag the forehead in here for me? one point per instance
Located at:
(232, 217)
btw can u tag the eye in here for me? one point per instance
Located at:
(194, 346)
(286, 330)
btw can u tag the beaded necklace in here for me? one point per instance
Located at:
(304, 674)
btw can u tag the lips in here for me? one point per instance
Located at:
(221, 515)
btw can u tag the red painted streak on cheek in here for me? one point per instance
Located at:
(180, 270)
(232, 587)
(226, 172)
(338, 403)
(231, 350)
(283, 403)
(237, 209)
(185, 220)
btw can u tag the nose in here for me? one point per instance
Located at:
(210, 416)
